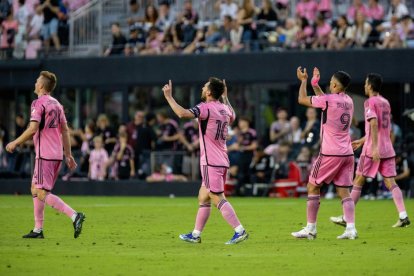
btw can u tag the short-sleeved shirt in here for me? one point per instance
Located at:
(128, 154)
(377, 107)
(48, 139)
(338, 110)
(248, 137)
(48, 13)
(214, 119)
(97, 163)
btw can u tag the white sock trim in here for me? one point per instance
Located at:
(37, 230)
(403, 215)
(239, 229)
(350, 226)
(196, 233)
(73, 217)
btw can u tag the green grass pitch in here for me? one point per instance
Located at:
(139, 236)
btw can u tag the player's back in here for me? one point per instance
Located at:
(48, 139)
(214, 120)
(337, 115)
(378, 107)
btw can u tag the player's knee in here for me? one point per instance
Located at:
(216, 197)
(359, 180)
(389, 182)
(313, 189)
(41, 194)
(33, 191)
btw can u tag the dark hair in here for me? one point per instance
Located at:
(49, 80)
(343, 77)
(375, 80)
(245, 118)
(304, 22)
(216, 87)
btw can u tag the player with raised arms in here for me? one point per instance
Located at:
(214, 118)
(335, 163)
(378, 154)
(50, 133)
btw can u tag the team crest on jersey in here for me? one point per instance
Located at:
(223, 112)
(33, 110)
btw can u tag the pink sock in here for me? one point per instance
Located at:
(38, 210)
(312, 208)
(202, 216)
(398, 198)
(348, 207)
(228, 213)
(59, 204)
(356, 193)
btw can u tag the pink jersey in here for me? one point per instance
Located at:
(213, 118)
(338, 110)
(377, 107)
(48, 139)
(97, 163)
(307, 9)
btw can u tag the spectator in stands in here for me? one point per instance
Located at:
(164, 173)
(191, 142)
(118, 41)
(9, 28)
(304, 34)
(4, 140)
(266, 16)
(307, 9)
(50, 10)
(281, 158)
(123, 156)
(73, 5)
(311, 128)
(171, 43)
(136, 39)
(280, 129)
(34, 34)
(107, 133)
(151, 17)
(305, 155)
(236, 35)
(406, 31)
(166, 16)
(322, 32)
(135, 13)
(186, 25)
(226, 8)
(325, 8)
(22, 16)
(98, 160)
(245, 18)
(341, 36)
(282, 11)
(167, 132)
(295, 131)
(288, 33)
(354, 131)
(63, 26)
(198, 44)
(261, 167)
(226, 28)
(153, 42)
(5, 9)
(397, 8)
(403, 171)
(247, 144)
(357, 6)
(375, 12)
(361, 30)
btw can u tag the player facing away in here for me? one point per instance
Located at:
(335, 163)
(50, 133)
(213, 118)
(378, 154)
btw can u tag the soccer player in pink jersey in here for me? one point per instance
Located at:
(378, 154)
(50, 133)
(335, 163)
(213, 117)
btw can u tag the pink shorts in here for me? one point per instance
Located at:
(368, 168)
(45, 173)
(213, 178)
(336, 169)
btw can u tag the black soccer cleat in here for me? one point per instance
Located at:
(34, 235)
(402, 223)
(77, 224)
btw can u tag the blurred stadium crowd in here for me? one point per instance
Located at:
(154, 147)
(29, 27)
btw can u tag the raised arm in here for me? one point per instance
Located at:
(26, 135)
(225, 99)
(178, 109)
(303, 98)
(315, 82)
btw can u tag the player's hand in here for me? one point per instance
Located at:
(356, 144)
(70, 162)
(375, 155)
(225, 89)
(302, 75)
(167, 89)
(11, 147)
(316, 77)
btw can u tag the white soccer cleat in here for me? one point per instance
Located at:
(305, 234)
(338, 220)
(348, 235)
